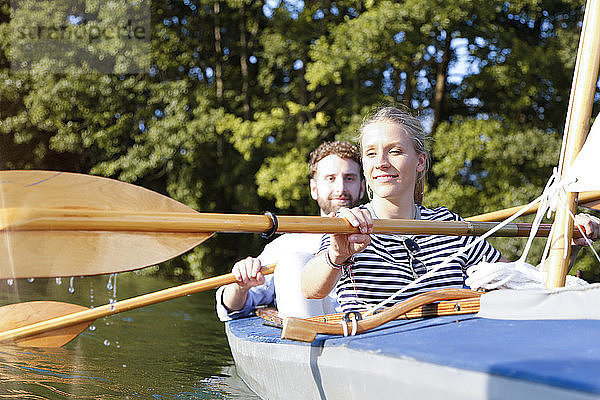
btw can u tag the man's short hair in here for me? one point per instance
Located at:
(337, 148)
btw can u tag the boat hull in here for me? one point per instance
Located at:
(448, 357)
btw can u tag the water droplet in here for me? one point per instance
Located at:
(106, 342)
(58, 281)
(71, 287)
(10, 282)
(30, 280)
(110, 285)
(91, 294)
(92, 328)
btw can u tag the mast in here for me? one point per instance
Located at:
(585, 78)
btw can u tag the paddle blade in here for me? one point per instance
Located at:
(19, 315)
(47, 254)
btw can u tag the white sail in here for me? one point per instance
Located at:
(584, 173)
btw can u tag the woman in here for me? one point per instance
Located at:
(367, 268)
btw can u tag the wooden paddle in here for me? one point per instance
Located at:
(88, 222)
(586, 199)
(57, 224)
(54, 324)
(74, 252)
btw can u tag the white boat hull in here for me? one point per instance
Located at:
(281, 369)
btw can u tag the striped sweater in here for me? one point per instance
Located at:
(385, 265)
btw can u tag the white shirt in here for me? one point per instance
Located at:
(265, 294)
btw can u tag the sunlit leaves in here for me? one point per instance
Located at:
(487, 165)
(484, 165)
(237, 94)
(284, 178)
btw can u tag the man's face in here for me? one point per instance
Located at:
(337, 183)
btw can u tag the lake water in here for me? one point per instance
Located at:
(171, 350)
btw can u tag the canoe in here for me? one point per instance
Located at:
(462, 357)
(446, 357)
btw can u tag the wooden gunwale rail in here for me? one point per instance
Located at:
(306, 330)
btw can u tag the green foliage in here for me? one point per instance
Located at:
(587, 264)
(485, 165)
(234, 94)
(282, 178)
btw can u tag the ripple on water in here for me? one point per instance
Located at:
(172, 350)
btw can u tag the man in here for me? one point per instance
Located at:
(335, 181)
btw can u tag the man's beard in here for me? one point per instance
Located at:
(328, 205)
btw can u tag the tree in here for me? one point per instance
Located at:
(237, 93)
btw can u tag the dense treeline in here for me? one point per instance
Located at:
(238, 92)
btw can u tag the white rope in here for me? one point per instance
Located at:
(547, 194)
(585, 237)
(589, 243)
(354, 322)
(448, 260)
(513, 275)
(561, 200)
(488, 276)
(344, 327)
(547, 247)
(551, 194)
(519, 274)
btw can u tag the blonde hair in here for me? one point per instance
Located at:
(413, 129)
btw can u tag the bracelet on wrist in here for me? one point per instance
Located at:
(349, 262)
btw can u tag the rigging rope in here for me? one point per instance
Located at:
(517, 274)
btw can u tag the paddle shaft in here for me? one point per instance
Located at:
(585, 199)
(92, 225)
(39, 219)
(120, 306)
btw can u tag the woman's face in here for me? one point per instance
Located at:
(390, 162)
